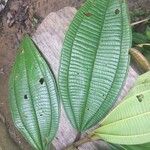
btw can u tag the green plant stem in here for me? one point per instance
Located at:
(141, 21)
(76, 144)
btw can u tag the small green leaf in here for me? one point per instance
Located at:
(148, 32)
(33, 96)
(146, 52)
(139, 38)
(129, 122)
(94, 61)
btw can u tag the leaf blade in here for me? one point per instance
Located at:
(33, 96)
(90, 70)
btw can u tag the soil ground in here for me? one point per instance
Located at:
(14, 22)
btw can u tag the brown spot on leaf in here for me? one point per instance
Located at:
(88, 14)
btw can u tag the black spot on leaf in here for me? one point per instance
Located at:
(25, 97)
(41, 80)
(140, 97)
(117, 11)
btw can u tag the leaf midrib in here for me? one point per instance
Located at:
(132, 136)
(91, 75)
(24, 124)
(125, 119)
(114, 75)
(32, 103)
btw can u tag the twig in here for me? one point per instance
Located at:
(141, 21)
(78, 137)
(145, 44)
(76, 144)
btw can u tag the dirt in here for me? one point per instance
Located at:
(6, 140)
(14, 22)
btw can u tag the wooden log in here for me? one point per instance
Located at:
(49, 38)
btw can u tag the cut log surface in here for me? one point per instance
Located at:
(49, 38)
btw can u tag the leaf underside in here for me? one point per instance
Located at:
(94, 61)
(33, 96)
(129, 122)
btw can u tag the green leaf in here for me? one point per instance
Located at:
(146, 52)
(129, 122)
(33, 96)
(142, 84)
(148, 32)
(94, 61)
(139, 38)
(130, 147)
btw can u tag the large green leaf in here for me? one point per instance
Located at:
(129, 122)
(33, 96)
(94, 61)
